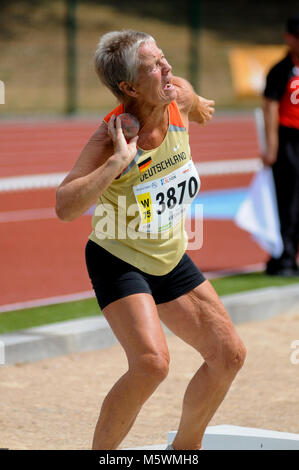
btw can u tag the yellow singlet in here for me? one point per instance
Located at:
(140, 218)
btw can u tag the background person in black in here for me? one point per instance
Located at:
(281, 114)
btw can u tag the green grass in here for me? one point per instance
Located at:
(244, 282)
(28, 318)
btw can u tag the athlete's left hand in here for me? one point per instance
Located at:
(206, 110)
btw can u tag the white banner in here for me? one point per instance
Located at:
(258, 214)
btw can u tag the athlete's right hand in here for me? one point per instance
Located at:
(269, 158)
(123, 149)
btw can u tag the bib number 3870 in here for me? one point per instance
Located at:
(163, 202)
(175, 195)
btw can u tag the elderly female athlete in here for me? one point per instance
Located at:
(136, 252)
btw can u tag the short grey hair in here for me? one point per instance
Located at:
(116, 58)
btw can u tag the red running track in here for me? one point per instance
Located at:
(42, 257)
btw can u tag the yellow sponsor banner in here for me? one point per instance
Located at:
(145, 206)
(250, 65)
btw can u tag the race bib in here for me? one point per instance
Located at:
(163, 202)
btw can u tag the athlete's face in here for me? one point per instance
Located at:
(154, 83)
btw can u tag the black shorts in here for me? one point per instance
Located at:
(113, 279)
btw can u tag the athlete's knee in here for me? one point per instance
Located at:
(153, 367)
(230, 358)
(235, 356)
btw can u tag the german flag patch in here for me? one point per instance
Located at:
(145, 164)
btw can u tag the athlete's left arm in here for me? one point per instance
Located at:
(197, 108)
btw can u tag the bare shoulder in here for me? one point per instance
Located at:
(96, 151)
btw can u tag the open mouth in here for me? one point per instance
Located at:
(168, 86)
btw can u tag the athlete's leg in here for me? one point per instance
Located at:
(135, 322)
(200, 319)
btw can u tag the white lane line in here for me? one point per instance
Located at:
(47, 301)
(19, 183)
(27, 214)
(221, 167)
(52, 180)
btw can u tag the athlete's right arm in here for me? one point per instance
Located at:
(271, 118)
(103, 159)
